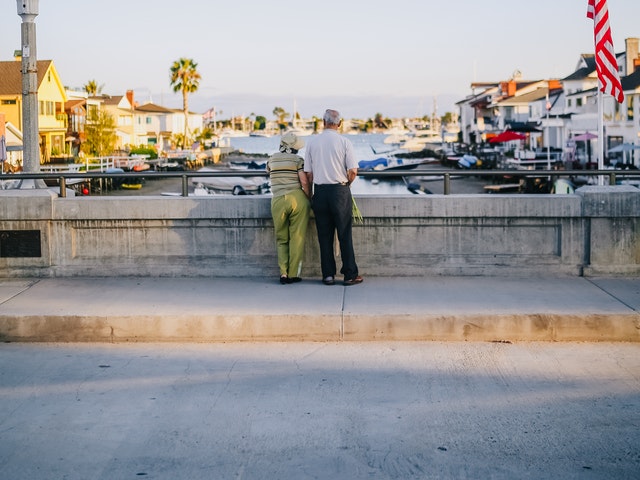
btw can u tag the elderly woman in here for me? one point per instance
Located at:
(290, 206)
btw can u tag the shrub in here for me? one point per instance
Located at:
(141, 150)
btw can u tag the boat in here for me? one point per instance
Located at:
(251, 165)
(467, 161)
(391, 163)
(232, 185)
(259, 133)
(299, 131)
(419, 140)
(396, 136)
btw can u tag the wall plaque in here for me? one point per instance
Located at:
(20, 243)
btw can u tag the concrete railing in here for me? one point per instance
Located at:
(593, 232)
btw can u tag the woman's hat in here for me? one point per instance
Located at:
(291, 140)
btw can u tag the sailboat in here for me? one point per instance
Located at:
(299, 130)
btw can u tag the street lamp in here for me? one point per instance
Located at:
(28, 11)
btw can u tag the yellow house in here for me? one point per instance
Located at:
(52, 120)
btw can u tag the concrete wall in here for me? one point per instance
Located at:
(594, 232)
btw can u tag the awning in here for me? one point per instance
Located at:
(522, 127)
(507, 136)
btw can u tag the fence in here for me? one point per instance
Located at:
(74, 171)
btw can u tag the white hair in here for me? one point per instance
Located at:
(331, 117)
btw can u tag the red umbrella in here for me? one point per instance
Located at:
(507, 136)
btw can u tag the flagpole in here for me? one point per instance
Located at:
(606, 66)
(600, 136)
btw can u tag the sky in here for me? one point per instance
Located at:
(361, 57)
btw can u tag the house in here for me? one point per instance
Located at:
(121, 108)
(11, 146)
(498, 106)
(158, 124)
(147, 124)
(624, 127)
(621, 121)
(475, 116)
(78, 109)
(52, 120)
(559, 110)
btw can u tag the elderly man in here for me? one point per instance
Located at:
(331, 167)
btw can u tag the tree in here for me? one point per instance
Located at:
(447, 118)
(101, 134)
(178, 141)
(260, 123)
(186, 79)
(92, 88)
(281, 115)
(379, 121)
(203, 135)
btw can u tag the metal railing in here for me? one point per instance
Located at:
(611, 175)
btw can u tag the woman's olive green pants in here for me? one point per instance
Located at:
(290, 214)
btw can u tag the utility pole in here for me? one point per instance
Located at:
(28, 11)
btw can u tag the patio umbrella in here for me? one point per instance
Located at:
(584, 137)
(624, 147)
(3, 151)
(507, 136)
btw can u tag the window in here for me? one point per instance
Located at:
(578, 102)
(508, 113)
(617, 116)
(46, 108)
(8, 102)
(630, 107)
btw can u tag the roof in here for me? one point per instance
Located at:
(73, 103)
(109, 100)
(537, 94)
(11, 76)
(631, 82)
(153, 108)
(589, 62)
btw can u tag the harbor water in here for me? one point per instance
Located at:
(366, 147)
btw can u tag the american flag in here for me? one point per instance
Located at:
(606, 63)
(209, 114)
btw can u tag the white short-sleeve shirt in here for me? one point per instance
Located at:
(329, 156)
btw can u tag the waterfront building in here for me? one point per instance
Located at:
(52, 120)
(553, 111)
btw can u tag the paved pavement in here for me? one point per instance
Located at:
(250, 309)
(316, 397)
(320, 410)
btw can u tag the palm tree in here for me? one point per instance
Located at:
(186, 79)
(92, 88)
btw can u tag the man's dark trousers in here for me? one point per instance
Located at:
(332, 206)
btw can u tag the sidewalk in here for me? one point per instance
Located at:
(498, 309)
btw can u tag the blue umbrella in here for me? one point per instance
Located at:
(624, 147)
